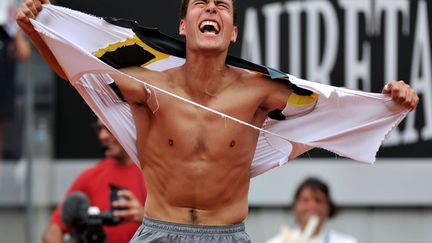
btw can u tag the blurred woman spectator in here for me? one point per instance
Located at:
(312, 207)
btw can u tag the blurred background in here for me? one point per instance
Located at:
(359, 44)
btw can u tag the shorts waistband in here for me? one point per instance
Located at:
(192, 228)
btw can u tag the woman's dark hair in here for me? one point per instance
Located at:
(317, 185)
(185, 5)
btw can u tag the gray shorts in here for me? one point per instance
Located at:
(159, 231)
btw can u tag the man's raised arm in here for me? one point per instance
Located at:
(29, 10)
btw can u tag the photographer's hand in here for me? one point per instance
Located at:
(132, 208)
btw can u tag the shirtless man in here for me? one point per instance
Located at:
(196, 164)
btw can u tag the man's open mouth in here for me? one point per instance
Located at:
(208, 26)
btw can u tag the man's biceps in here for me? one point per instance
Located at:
(132, 91)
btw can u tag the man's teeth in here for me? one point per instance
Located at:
(209, 23)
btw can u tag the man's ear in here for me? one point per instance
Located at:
(182, 28)
(234, 34)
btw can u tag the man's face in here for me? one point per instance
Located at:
(109, 142)
(209, 25)
(311, 202)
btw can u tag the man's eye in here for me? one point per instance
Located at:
(199, 2)
(223, 5)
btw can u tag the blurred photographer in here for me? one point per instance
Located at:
(96, 183)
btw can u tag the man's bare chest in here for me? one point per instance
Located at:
(207, 108)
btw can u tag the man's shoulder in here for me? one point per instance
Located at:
(247, 77)
(143, 73)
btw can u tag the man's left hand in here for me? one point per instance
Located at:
(402, 94)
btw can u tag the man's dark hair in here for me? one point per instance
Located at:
(317, 185)
(185, 5)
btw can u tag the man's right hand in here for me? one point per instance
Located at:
(29, 10)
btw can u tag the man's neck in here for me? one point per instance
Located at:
(204, 74)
